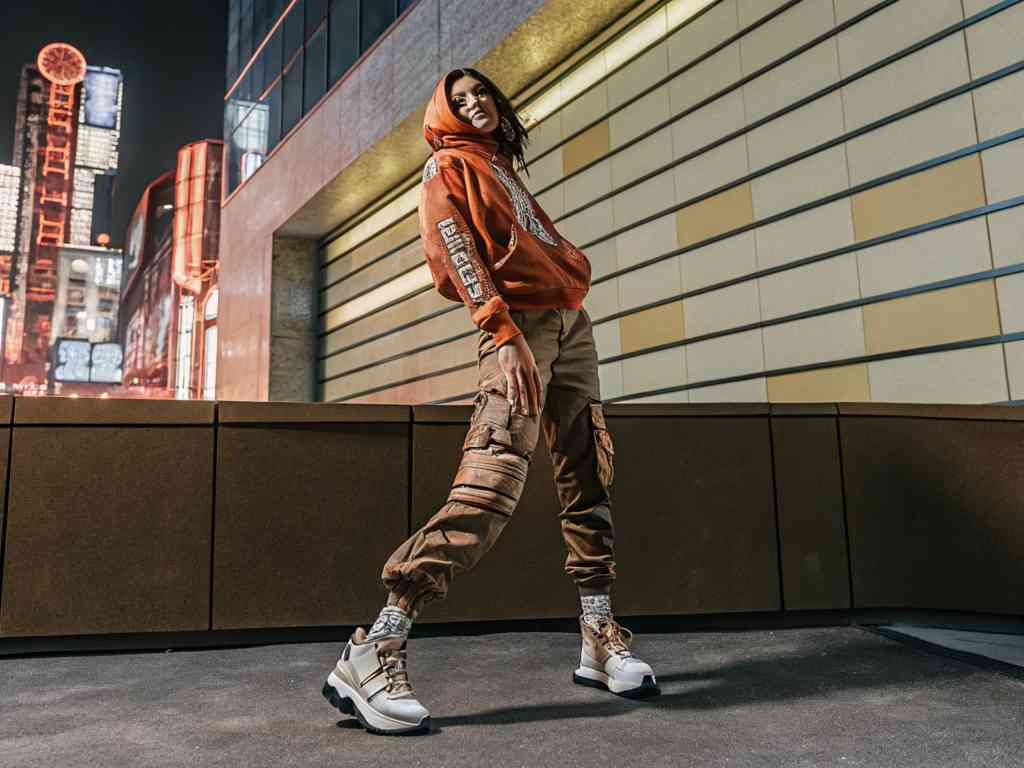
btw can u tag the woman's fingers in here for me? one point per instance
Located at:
(525, 391)
(539, 388)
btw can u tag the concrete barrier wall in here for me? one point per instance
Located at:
(156, 516)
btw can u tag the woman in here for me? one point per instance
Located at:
(491, 246)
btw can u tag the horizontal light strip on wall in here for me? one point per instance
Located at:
(650, 30)
(859, 246)
(892, 58)
(405, 274)
(401, 287)
(990, 274)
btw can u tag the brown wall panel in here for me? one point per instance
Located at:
(812, 531)
(306, 515)
(108, 530)
(523, 576)
(934, 508)
(694, 515)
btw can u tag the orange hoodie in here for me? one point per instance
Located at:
(487, 241)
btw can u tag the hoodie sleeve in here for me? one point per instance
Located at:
(452, 252)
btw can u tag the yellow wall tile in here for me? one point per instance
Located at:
(933, 194)
(658, 325)
(585, 148)
(723, 212)
(845, 383)
(952, 314)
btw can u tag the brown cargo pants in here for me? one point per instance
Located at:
(496, 456)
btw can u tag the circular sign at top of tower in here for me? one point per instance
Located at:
(62, 64)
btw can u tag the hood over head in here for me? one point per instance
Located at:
(443, 128)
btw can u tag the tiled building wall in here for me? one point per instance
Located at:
(784, 201)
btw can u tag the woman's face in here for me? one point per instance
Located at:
(474, 103)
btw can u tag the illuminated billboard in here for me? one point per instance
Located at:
(73, 360)
(102, 97)
(106, 363)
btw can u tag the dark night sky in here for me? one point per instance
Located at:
(172, 55)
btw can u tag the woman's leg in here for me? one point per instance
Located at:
(488, 484)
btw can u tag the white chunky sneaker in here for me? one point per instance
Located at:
(606, 661)
(370, 681)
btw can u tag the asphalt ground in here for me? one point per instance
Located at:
(801, 697)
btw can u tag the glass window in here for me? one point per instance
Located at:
(315, 12)
(258, 76)
(343, 38)
(245, 44)
(274, 116)
(294, 31)
(183, 363)
(272, 56)
(375, 16)
(403, 5)
(316, 69)
(247, 146)
(210, 364)
(291, 96)
(262, 20)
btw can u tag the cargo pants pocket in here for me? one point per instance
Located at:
(603, 446)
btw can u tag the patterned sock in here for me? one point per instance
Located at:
(392, 622)
(596, 608)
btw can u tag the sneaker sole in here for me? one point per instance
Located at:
(338, 694)
(647, 688)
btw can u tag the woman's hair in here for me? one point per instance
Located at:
(514, 149)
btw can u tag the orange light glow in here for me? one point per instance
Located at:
(61, 64)
(103, 238)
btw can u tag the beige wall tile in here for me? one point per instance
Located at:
(976, 6)
(401, 232)
(654, 195)
(1015, 368)
(611, 380)
(959, 249)
(786, 32)
(639, 117)
(418, 306)
(788, 83)
(641, 73)
(943, 128)
(974, 375)
(392, 266)
(704, 79)
(746, 391)
(702, 34)
(931, 71)
(752, 10)
(952, 314)
(585, 109)
(588, 185)
(1006, 229)
(839, 384)
(646, 241)
(603, 259)
(995, 42)
(835, 336)
(822, 284)
(811, 179)
(847, 9)
(727, 259)
(926, 196)
(642, 158)
(553, 201)
(667, 397)
(711, 170)
(545, 134)
(890, 30)
(809, 126)
(734, 355)
(654, 283)
(603, 299)
(1003, 164)
(546, 171)
(654, 326)
(607, 339)
(589, 224)
(698, 129)
(654, 371)
(725, 211)
(999, 106)
(818, 230)
(1011, 302)
(585, 148)
(722, 309)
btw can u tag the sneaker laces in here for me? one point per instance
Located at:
(394, 663)
(614, 637)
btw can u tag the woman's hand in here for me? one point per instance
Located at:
(520, 369)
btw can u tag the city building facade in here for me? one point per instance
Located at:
(67, 134)
(802, 200)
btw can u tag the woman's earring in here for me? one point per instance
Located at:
(508, 130)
